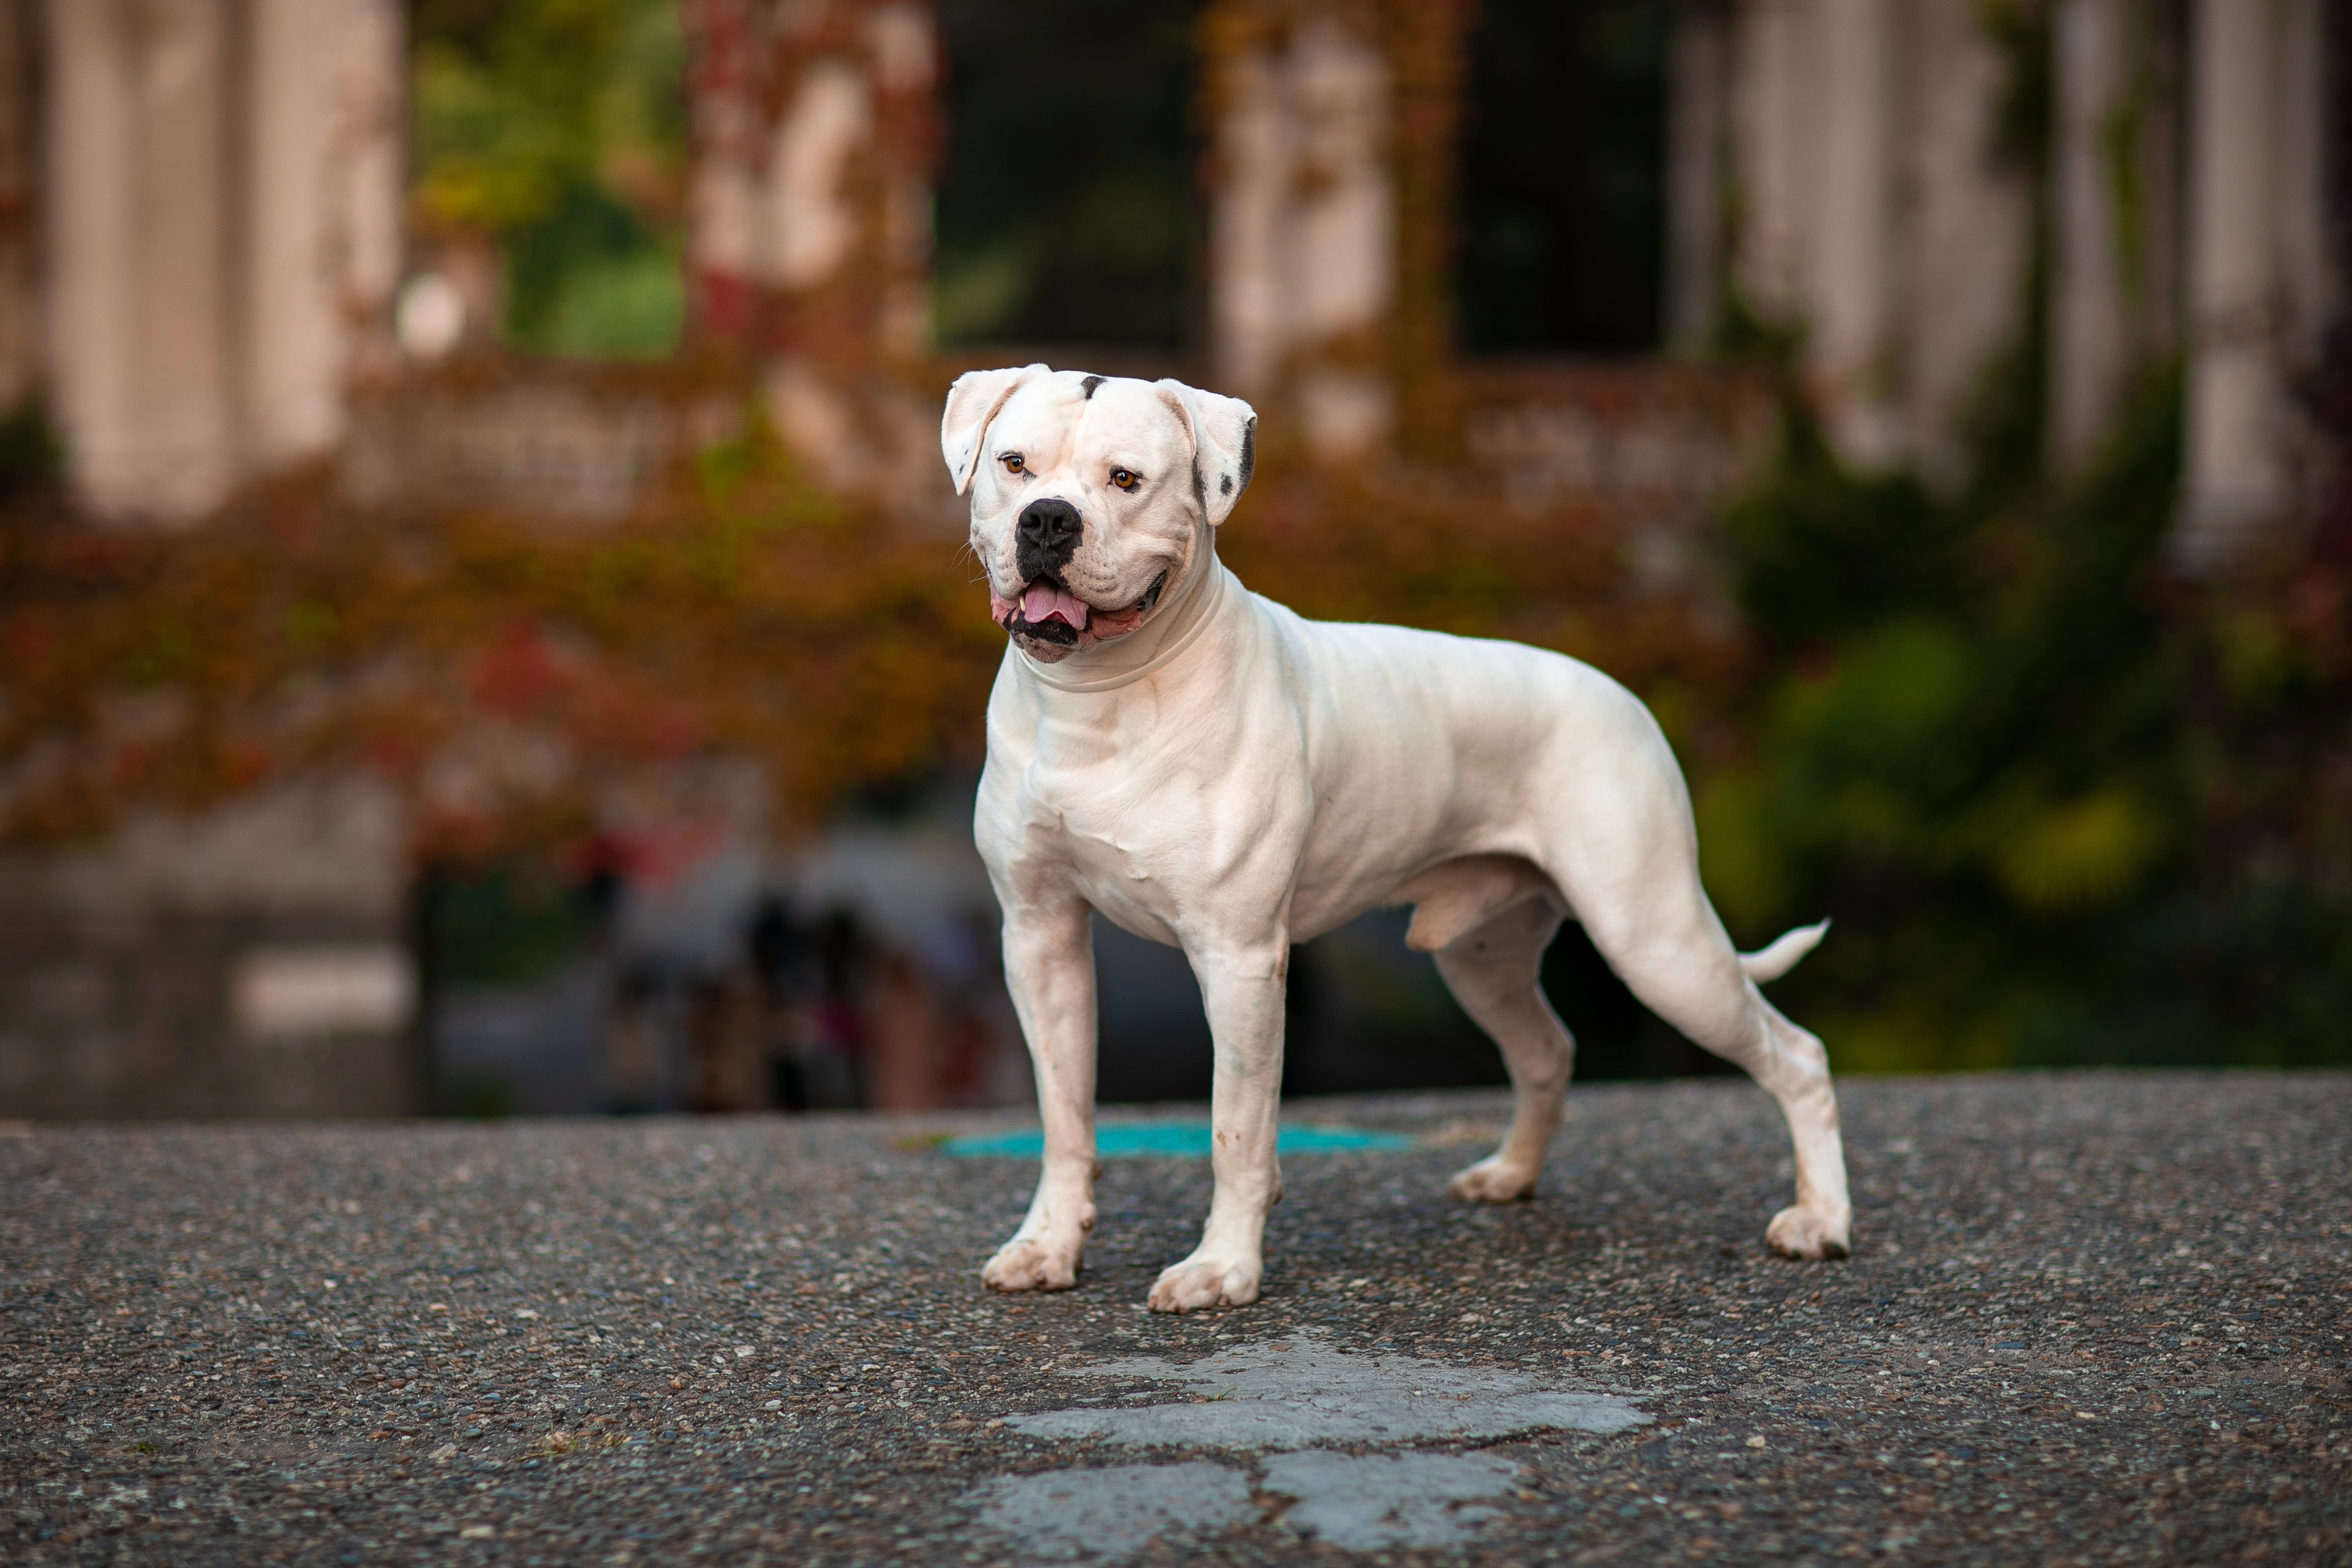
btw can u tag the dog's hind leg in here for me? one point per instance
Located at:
(1491, 971)
(1670, 949)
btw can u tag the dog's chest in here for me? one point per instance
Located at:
(1139, 802)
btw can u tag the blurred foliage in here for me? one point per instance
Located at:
(2010, 754)
(557, 130)
(1067, 211)
(522, 684)
(32, 454)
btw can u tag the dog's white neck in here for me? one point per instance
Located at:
(1156, 643)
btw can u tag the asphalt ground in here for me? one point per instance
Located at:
(2088, 1319)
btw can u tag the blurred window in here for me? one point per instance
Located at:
(1067, 209)
(1562, 236)
(551, 152)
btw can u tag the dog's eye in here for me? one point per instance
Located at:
(1013, 463)
(1122, 479)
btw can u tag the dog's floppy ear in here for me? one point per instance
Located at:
(972, 402)
(1224, 445)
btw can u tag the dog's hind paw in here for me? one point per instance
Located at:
(1025, 1264)
(1807, 1233)
(1197, 1284)
(1492, 1180)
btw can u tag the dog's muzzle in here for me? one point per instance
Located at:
(1045, 538)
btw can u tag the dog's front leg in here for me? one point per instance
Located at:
(1049, 967)
(1243, 993)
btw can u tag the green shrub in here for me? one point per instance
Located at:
(2017, 761)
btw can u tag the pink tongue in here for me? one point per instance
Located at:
(1041, 601)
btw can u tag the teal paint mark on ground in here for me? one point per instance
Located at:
(1172, 1140)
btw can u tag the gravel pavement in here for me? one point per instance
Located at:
(2089, 1319)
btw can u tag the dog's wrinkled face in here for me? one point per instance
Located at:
(1092, 497)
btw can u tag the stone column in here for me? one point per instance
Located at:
(90, 175)
(727, 113)
(2259, 284)
(2234, 482)
(809, 232)
(1304, 220)
(293, 336)
(1699, 120)
(321, 244)
(2091, 347)
(1770, 97)
(1850, 291)
(1966, 227)
(815, 133)
(186, 438)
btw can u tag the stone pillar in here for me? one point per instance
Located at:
(1966, 228)
(1303, 223)
(1697, 130)
(186, 438)
(727, 99)
(844, 240)
(1770, 97)
(2091, 347)
(1852, 288)
(815, 133)
(87, 174)
(321, 173)
(19, 305)
(2259, 285)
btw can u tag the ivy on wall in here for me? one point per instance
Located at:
(511, 675)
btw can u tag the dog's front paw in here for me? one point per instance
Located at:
(1199, 1283)
(1492, 1180)
(1808, 1234)
(1028, 1263)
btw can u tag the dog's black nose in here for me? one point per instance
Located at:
(1046, 538)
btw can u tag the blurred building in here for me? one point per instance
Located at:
(203, 209)
(1493, 248)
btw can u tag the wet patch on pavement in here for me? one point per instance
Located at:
(1111, 1513)
(1286, 1395)
(1290, 1393)
(1373, 1502)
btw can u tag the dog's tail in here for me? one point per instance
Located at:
(1781, 956)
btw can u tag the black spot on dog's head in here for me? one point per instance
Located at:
(1089, 384)
(1249, 450)
(1226, 485)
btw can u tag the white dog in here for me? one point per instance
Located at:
(1210, 771)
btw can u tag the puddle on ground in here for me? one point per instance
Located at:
(1283, 1399)
(1297, 1393)
(1111, 1513)
(1375, 1502)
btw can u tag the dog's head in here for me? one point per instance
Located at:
(1092, 497)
